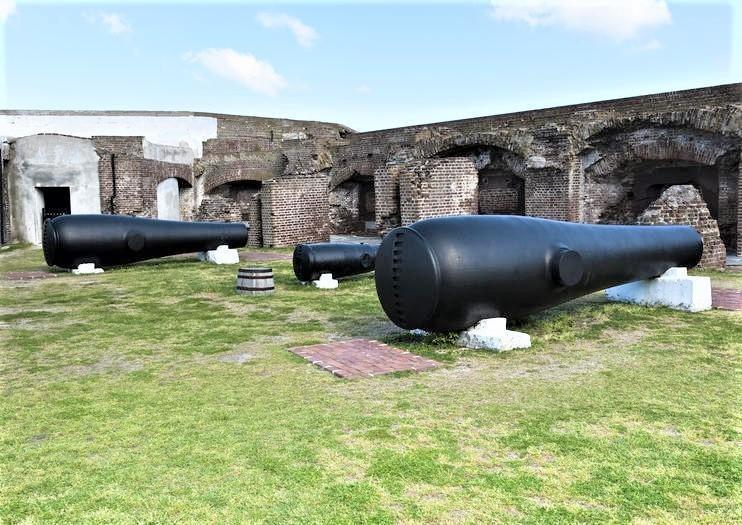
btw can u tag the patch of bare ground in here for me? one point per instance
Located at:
(557, 362)
(33, 322)
(238, 358)
(105, 365)
(371, 329)
(234, 306)
(29, 275)
(264, 256)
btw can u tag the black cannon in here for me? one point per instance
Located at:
(112, 240)
(449, 273)
(341, 260)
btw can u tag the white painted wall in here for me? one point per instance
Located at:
(170, 130)
(164, 153)
(168, 200)
(50, 161)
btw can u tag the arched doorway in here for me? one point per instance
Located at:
(353, 205)
(230, 201)
(500, 190)
(626, 170)
(174, 199)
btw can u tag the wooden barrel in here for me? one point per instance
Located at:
(255, 281)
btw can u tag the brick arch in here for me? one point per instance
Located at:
(643, 140)
(628, 162)
(213, 181)
(725, 121)
(161, 171)
(183, 181)
(434, 147)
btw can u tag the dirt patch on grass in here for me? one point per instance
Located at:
(264, 256)
(106, 365)
(238, 358)
(371, 329)
(28, 275)
(235, 306)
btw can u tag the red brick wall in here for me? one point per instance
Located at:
(255, 235)
(295, 209)
(136, 178)
(437, 187)
(684, 205)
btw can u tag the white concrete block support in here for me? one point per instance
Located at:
(673, 289)
(222, 255)
(491, 334)
(326, 282)
(86, 269)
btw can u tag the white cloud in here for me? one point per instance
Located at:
(7, 8)
(113, 22)
(618, 19)
(652, 45)
(305, 35)
(242, 68)
(363, 89)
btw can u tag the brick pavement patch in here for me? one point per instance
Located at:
(726, 299)
(362, 358)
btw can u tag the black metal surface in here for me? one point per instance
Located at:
(112, 240)
(449, 273)
(341, 260)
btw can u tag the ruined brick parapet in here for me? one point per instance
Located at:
(684, 205)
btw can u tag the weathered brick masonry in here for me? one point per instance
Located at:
(436, 187)
(297, 181)
(597, 162)
(294, 208)
(684, 205)
(136, 178)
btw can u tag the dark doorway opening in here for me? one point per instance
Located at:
(501, 193)
(649, 185)
(56, 202)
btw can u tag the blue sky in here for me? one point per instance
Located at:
(368, 66)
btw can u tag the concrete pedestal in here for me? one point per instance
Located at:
(222, 255)
(491, 334)
(86, 269)
(673, 289)
(326, 282)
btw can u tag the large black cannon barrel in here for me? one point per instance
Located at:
(449, 273)
(339, 259)
(112, 240)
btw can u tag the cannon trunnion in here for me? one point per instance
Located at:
(112, 240)
(451, 272)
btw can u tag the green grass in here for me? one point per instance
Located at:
(155, 394)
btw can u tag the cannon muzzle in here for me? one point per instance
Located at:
(451, 272)
(112, 240)
(341, 260)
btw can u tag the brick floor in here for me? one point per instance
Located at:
(362, 358)
(726, 298)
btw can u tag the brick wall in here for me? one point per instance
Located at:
(295, 209)
(4, 200)
(684, 205)
(136, 178)
(437, 187)
(220, 209)
(255, 235)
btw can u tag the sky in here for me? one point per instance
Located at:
(369, 66)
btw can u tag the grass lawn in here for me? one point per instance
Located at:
(155, 394)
